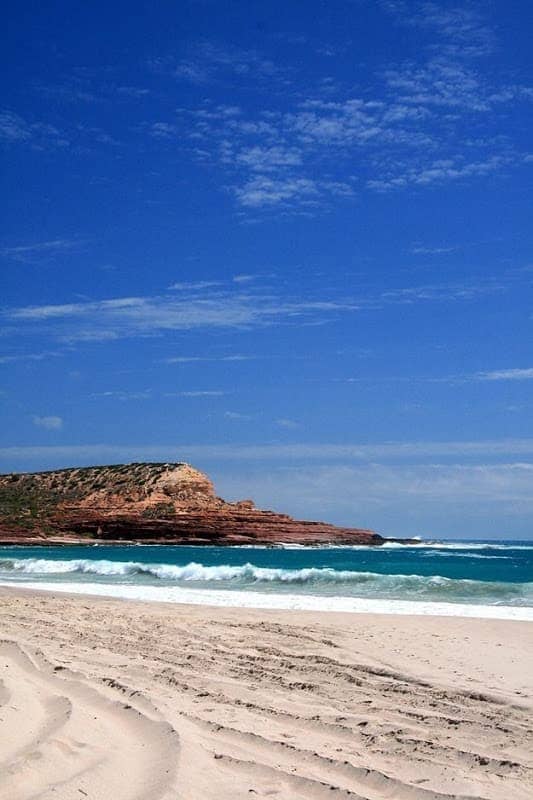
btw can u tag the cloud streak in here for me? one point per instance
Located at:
(517, 374)
(195, 359)
(197, 393)
(389, 452)
(105, 320)
(400, 484)
(398, 500)
(221, 305)
(29, 253)
(9, 359)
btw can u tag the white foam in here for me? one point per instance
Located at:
(420, 544)
(455, 554)
(367, 585)
(465, 546)
(214, 597)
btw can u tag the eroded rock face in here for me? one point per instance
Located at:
(150, 503)
(147, 486)
(184, 484)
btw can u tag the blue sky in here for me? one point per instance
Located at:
(290, 243)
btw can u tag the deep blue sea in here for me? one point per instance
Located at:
(490, 574)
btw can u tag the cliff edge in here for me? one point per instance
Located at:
(148, 503)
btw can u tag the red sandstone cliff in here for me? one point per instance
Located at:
(149, 503)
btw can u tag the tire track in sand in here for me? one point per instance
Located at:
(69, 740)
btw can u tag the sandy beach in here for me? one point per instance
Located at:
(103, 698)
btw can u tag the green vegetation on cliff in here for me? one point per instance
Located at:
(29, 499)
(155, 503)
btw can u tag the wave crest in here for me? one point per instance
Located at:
(322, 579)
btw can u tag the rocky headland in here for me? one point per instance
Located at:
(148, 503)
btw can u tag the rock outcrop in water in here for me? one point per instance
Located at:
(149, 503)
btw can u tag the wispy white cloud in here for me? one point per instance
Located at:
(208, 62)
(134, 92)
(41, 135)
(197, 393)
(353, 122)
(14, 129)
(163, 130)
(9, 359)
(217, 305)
(308, 148)
(51, 423)
(516, 374)
(118, 394)
(445, 291)
(268, 159)
(295, 453)
(265, 191)
(401, 496)
(237, 416)
(457, 379)
(29, 253)
(91, 90)
(445, 84)
(143, 316)
(288, 424)
(75, 90)
(91, 135)
(440, 171)
(292, 159)
(411, 127)
(188, 286)
(424, 250)
(400, 483)
(194, 359)
(460, 31)
(148, 394)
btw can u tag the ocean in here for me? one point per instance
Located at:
(491, 579)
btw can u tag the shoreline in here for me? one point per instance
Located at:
(269, 544)
(233, 599)
(388, 542)
(153, 700)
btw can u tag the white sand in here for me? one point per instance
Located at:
(115, 700)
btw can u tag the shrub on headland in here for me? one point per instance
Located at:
(159, 511)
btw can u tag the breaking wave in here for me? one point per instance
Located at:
(455, 554)
(427, 545)
(313, 579)
(421, 545)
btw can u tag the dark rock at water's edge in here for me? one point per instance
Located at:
(149, 504)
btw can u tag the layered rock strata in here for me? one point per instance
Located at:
(148, 503)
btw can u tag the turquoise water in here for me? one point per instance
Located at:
(484, 573)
